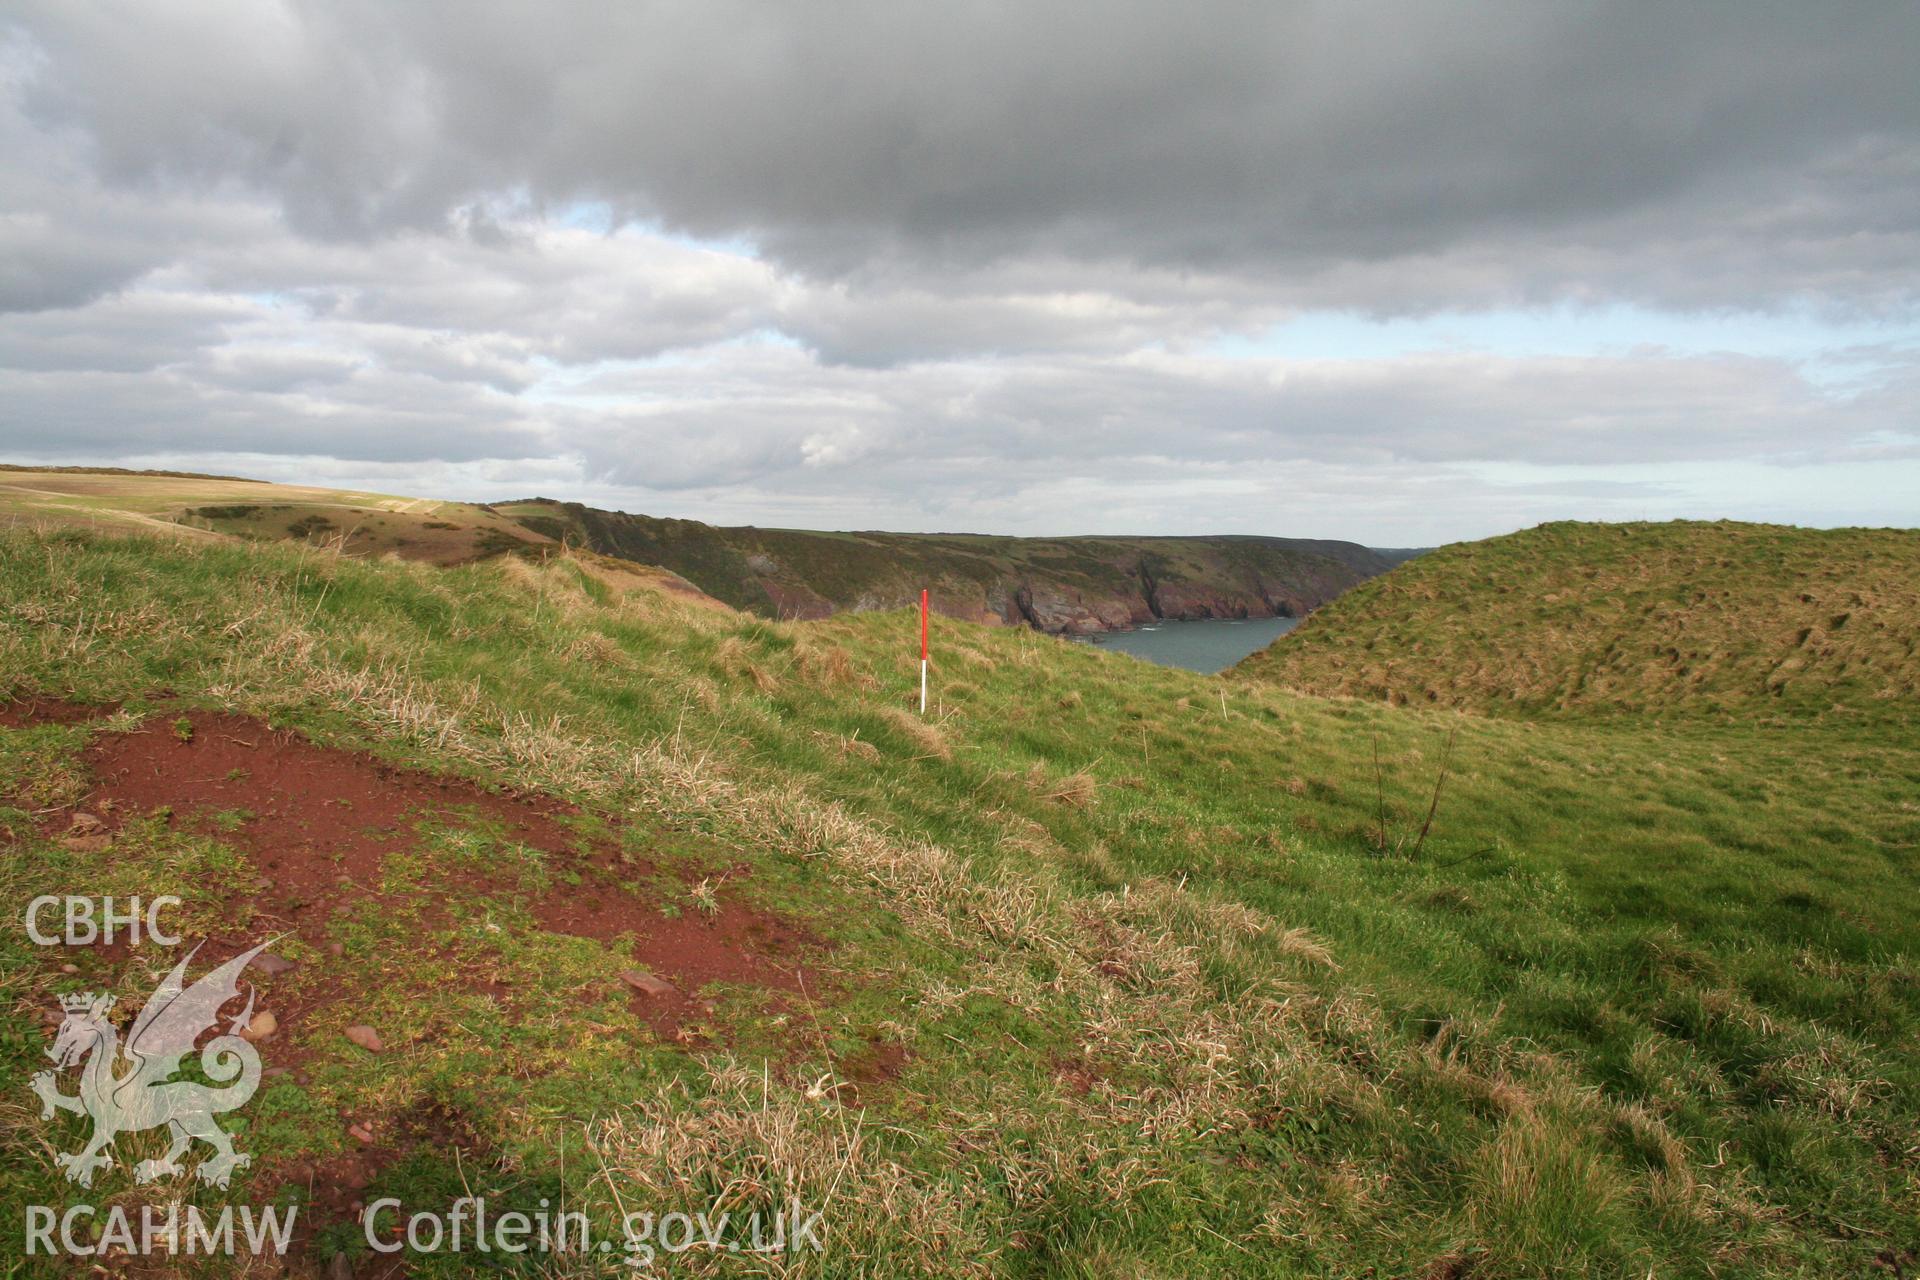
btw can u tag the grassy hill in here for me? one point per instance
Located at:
(1102, 969)
(1627, 617)
(1052, 584)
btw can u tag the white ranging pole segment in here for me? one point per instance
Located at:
(923, 651)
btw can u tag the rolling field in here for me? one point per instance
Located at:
(1099, 970)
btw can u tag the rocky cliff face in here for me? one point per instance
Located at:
(1071, 586)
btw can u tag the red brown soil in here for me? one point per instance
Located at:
(318, 823)
(321, 819)
(875, 1066)
(24, 713)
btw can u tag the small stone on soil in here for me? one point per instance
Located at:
(360, 1133)
(270, 964)
(366, 1037)
(648, 984)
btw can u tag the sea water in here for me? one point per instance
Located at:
(1211, 644)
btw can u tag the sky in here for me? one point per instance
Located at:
(1399, 273)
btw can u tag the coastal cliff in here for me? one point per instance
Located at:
(1072, 586)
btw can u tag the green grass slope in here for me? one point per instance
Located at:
(1119, 970)
(1052, 584)
(1627, 617)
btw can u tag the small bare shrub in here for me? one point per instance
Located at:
(735, 657)
(824, 665)
(929, 740)
(1076, 790)
(850, 745)
(596, 648)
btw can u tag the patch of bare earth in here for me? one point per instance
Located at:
(317, 824)
(336, 1188)
(873, 1067)
(25, 712)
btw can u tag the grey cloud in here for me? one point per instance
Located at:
(65, 239)
(125, 334)
(43, 267)
(369, 415)
(881, 326)
(948, 266)
(789, 422)
(571, 296)
(497, 361)
(1605, 145)
(275, 370)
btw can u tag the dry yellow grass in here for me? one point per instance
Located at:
(737, 659)
(1076, 790)
(929, 739)
(848, 745)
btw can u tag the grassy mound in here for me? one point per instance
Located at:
(1633, 617)
(1101, 969)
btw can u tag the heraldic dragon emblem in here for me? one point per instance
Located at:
(129, 1088)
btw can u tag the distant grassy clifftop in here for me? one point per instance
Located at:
(200, 507)
(1053, 584)
(1641, 617)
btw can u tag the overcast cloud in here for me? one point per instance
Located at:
(1015, 267)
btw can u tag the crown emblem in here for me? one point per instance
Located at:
(83, 1001)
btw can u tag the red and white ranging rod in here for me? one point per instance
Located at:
(923, 651)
